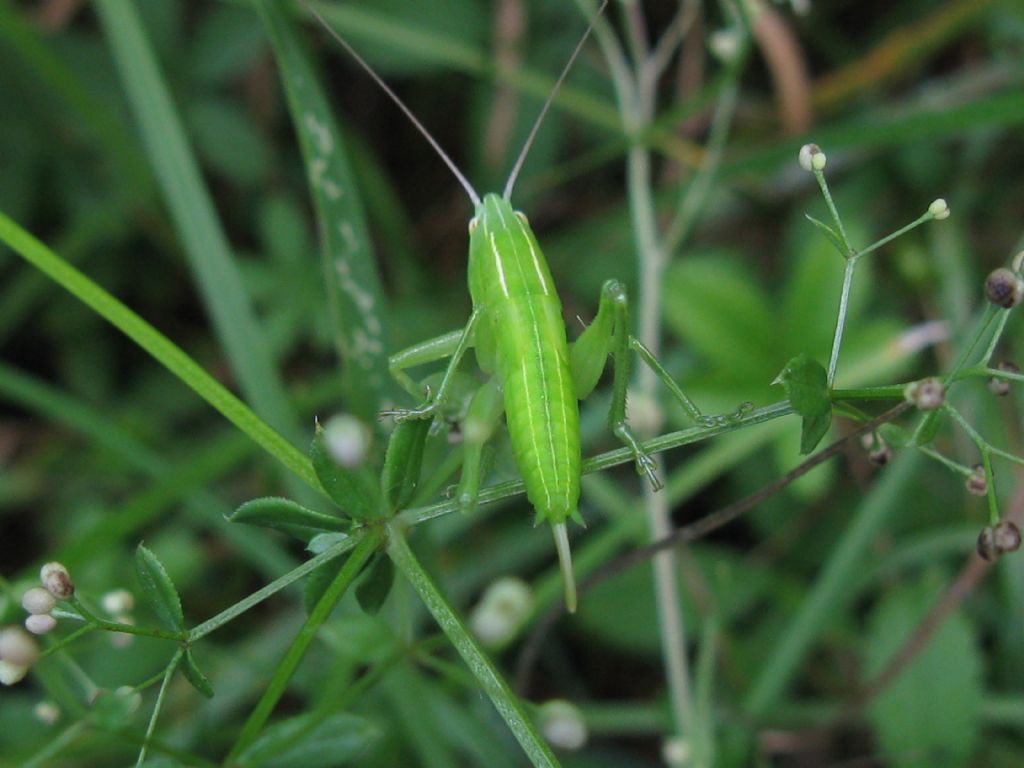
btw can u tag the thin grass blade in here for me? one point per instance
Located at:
(357, 303)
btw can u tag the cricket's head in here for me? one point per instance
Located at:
(504, 257)
(495, 222)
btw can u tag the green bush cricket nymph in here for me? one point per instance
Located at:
(518, 333)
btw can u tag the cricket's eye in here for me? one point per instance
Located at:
(473, 223)
(522, 217)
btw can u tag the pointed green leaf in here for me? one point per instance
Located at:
(311, 741)
(375, 586)
(403, 462)
(287, 516)
(812, 430)
(158, 589)
(806, 385)
(352, 488)
(829, 233)
(194, 675)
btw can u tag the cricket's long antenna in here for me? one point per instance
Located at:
(394, 97)
(507, 194)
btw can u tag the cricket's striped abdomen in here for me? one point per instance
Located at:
(521, 335)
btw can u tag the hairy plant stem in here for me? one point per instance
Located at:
(487, 675)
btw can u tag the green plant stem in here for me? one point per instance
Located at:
(158, 346)
(370, 543)
(852, 258)
(823, 185)
(487, 675)
(1003, 318)
(844, 304)
(901, 231)
(222, 618)
(168, 674)
(888, 392)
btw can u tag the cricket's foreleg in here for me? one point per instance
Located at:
(482, 419)
(429, 351)
(453, 345)
(609, 334)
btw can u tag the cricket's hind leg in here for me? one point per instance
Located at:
(609, 335)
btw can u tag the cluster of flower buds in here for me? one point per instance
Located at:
(994, 541)
(40, 601)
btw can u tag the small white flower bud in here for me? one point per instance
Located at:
(811, 158)
(562, 724)
(17, 647)
(118, 601)
(938, 209)
(57, 580)
(724, 44)
(347, 439)
(40, 623)
(1017, 263)
(499, 615)
(11, 673)
(46, 712)
(37, 601)
(676, 752)
(926, 394)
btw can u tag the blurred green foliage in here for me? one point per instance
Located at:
(810, 595)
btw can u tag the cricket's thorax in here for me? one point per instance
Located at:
(521, 338)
